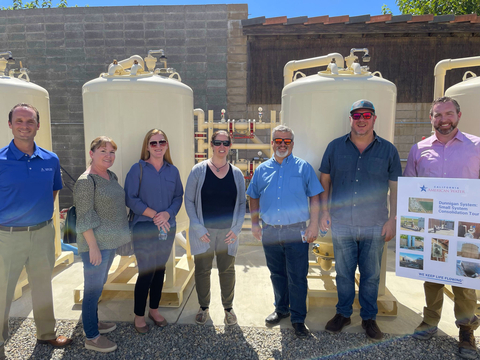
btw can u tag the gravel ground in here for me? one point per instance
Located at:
(217, 342)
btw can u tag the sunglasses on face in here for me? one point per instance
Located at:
(158, 143)
(225, 143)
(279, 141)
(366, 116)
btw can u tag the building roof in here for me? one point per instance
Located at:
(360, 24)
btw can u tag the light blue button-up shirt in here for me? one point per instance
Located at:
(284, 190)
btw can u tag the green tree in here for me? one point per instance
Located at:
(34, 4)
(386, 10)
(439, 7)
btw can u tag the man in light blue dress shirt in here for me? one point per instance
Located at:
(279, 194)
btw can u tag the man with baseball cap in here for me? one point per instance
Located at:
(359, 168)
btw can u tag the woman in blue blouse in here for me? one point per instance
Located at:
(154, 193)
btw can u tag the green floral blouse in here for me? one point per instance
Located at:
(100, 205)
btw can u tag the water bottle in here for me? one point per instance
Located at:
(162, 235)
(323, 233)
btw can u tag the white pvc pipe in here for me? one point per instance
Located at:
(449, 64)
(114, 68)
(127, 63)
(295, 65)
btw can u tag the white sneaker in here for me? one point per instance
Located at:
(230, 318)
(202, 316)
(102, 345)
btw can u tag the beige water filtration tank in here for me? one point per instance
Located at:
(20, 90)
(15, 90)
(317, 107)
(125, 104)
(467, 93)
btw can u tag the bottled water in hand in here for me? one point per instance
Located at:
(162, 235)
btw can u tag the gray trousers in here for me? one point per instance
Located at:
(226, 270)
(35, 250)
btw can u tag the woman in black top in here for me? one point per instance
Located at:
(215, 204)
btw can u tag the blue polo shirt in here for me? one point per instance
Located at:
(284, 190)
(360, 181)
(27, 184)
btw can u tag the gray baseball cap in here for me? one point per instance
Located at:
(362, 104)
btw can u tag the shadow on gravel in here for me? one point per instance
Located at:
(185, 342)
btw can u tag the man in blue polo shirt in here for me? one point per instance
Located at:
(29, 182)
(279, 192)
(360, 168)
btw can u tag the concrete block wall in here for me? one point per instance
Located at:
(65, 48)
(411, 124)
(236, 63)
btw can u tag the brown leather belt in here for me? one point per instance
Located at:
(25, 228)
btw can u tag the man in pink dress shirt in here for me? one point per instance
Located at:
(448, 153)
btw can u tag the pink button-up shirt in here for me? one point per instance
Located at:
(459, 158)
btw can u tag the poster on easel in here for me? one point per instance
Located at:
(438, 230)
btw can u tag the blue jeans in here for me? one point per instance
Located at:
(95, 277)
(287, 260)
(354, 245)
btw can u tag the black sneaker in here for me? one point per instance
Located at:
(337, 323)
(373, 331)
(467, 348)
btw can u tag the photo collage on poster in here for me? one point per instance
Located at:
(438, 231)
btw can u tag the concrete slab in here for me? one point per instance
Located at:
(253, 299)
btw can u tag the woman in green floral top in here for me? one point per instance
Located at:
(102, 227)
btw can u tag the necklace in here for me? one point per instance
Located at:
(218, 168)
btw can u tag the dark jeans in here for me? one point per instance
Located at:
(95, 277)
(152, 255)
(287, 260)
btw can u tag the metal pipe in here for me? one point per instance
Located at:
(251, 146)
(239, 126)
(295, 65)
(449, 64)
(128, 63)
(201, 125)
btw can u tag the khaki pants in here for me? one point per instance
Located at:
(226, 270)
(35, 250)
(465, 304)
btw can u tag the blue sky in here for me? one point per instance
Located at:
(267, 8)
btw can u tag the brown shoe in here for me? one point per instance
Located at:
(59, 342)
(101, 345)
(466, 343)
(162, 323)
(142, 330)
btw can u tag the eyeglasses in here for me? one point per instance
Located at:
(366, 116)
(225, 143)
(158, 143)
(279, 141)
